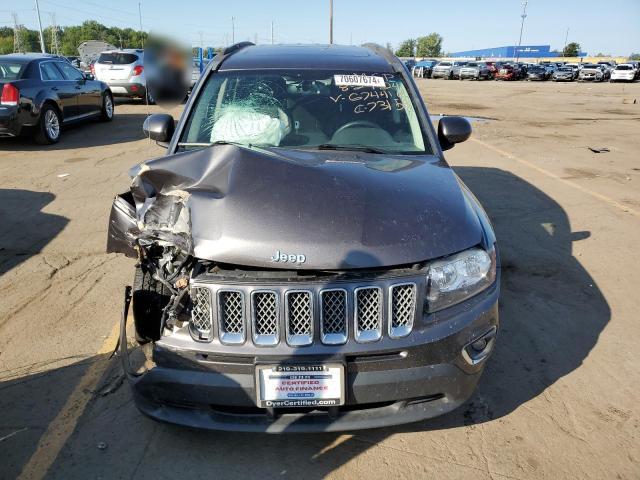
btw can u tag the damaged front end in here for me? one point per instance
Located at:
(153, 226)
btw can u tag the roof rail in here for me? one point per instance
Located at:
(386, 54)
(236, 46)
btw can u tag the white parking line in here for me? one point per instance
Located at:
(549, 174)
(61, 427)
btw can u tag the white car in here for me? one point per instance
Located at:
(123, 71)
(624, 72)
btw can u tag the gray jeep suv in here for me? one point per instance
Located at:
(306, 258)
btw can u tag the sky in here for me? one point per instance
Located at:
(610, 27)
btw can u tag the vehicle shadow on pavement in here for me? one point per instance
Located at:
(26, 229)
(552, 314)
(551, 310)
(124, 128)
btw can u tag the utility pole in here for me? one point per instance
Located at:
(55, 47)
(271, 32)
(17, 34)
(140, 17)
(233, 30)
(201, 43)
(566, 37)
(524, 15)
(44, 50)
(330, 22)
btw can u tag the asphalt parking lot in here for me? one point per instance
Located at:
(559, 396)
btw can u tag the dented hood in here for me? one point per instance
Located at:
(332, 209)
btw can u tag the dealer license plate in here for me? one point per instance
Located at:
(285, 386)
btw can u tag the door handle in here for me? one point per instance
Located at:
(78, 87)
(54, 88)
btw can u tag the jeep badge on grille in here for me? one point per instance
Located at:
(288, 257)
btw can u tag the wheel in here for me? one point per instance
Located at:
(106, 114)
(149, 299)
(49, 126)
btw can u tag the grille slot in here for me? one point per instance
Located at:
(201, 312)
(231, 316)
(368, 314)
(333, 316)
(402, 309)
(299, 318)
(265, 317)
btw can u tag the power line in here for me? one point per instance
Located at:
(92, 15)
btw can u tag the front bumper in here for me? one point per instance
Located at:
(423, 376)
(440, 73)
(127, 89)
(472, 74)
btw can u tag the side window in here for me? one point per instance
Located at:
(69, 72)
(50, 72)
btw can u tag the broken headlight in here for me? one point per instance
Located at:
(461, 276)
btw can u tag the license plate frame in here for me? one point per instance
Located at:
(296, 394)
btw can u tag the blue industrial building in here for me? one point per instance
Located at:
(512, 51)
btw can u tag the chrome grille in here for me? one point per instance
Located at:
(333, 316)
(388, 304)
(265, 318)
(231, 316)
(403, 307)
(299, 318)
(201, 311)
(368, 314)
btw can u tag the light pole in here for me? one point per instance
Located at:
(566, 37)
(140, 17)
(330, 21)
(524, 15)
(40, 25)
(271, 32)
(233, 30)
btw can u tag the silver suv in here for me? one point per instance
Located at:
(123, 71)
(475, 70)
(447, 70)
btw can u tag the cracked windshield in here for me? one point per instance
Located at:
(308, 109)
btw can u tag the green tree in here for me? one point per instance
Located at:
(571, 50)
(429, 46)
(407, 48)
(634, 56)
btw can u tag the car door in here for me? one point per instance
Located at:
(87, 92)
(54, 80)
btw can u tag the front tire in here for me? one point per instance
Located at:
(106, 114)
(49, 126)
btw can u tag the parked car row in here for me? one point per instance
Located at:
(557, 72)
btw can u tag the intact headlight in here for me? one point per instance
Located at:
(461, 276)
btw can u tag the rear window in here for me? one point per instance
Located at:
(118, 58)
(10, 70)
(624, 67)
(472, 64)
(444, 64)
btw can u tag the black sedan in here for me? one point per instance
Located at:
(41, 93)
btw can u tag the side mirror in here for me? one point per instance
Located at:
(159, 127)
(88, 76)
(452, 130)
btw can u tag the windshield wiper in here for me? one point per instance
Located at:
(356, 148)
(209, 144)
